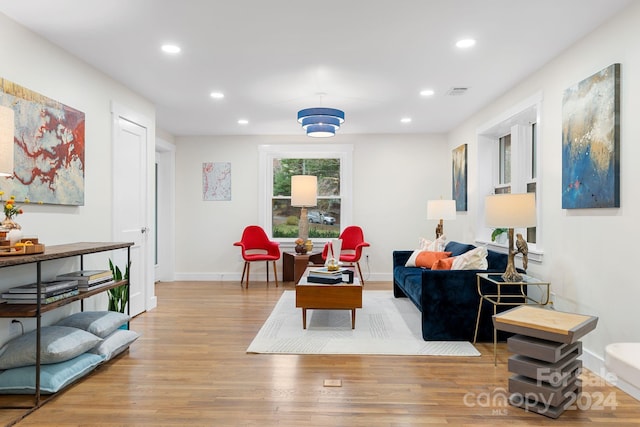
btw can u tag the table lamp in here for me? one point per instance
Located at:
(304, 193)
(440, 210)
(511, 211)
(6, 141)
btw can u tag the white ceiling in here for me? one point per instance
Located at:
(273, 58)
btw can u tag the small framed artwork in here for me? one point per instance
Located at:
(216, 181)
(591, 142)
(459, 190)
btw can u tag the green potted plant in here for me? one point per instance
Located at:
(497, 232)
(119, 295)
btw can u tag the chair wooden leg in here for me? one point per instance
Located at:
(248, 269)
(360, 273)
(267, 263)
(275, 272)
(244, 270)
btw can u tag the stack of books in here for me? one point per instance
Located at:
(89, 279)
(324, 276)
(49, 292)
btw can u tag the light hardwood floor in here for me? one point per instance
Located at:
(190, 368)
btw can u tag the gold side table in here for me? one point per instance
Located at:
(501, 299)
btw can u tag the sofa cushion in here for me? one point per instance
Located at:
(457, 249)
(435, 245)
(443, 264)
(427, 258)
(475, 259)
(496, 260)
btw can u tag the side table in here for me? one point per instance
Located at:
(503, 299)
(545, 365)
(294, 264)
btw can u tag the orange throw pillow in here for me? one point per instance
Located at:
(428, 258)
(443, 264)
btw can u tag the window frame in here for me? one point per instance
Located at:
(266, 156)
(518, 122)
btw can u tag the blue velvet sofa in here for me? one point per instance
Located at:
(448, 299)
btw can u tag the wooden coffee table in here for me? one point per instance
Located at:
(315, 296)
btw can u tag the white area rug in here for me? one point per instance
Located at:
(384, 325)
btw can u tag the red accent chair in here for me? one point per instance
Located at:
(352, 243)
(256, 246)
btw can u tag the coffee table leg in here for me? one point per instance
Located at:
(304, 318)
(353, 318)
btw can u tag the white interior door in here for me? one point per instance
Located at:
(130, 201)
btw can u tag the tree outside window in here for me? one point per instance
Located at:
(324, 219)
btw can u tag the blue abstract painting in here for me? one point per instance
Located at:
(460, 177)
(590, 142)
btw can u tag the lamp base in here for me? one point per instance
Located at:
(303, 225)
(439, 229)
(511, 274)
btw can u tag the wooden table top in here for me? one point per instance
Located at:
(553, 321)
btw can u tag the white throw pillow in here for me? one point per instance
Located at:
(411, 262)
(433, 246)
(475, 259)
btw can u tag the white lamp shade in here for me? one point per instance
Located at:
(6, 141)
(441, 209)
(304, 190)
(510, 210)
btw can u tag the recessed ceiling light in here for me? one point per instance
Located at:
(406, 120)
(243, 122)
(465, 43)
(217, 95)
(427, 92)
(171, 48)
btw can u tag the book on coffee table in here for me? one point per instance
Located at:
(324, 280)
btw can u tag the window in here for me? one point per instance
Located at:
(507, 160)
(330, 163)
(324, 218)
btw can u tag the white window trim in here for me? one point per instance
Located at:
(516, 121)
(266, 155)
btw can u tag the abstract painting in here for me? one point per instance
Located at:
(460, 177)
(216, 181)
(591, 142)
(48, 148)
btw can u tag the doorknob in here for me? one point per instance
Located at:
(144, 230)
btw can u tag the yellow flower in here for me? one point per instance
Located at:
(10, 207)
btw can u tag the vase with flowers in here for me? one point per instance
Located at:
(11, 210)
(300, 247)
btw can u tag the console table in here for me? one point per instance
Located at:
(36, 310)
(545, 365)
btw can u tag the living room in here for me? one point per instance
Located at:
(393, 177)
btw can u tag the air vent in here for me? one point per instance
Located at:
(457, 91)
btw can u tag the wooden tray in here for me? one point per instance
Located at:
(36, 248)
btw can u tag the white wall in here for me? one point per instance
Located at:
(588, 254)
(394, 176)
(36, 64)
